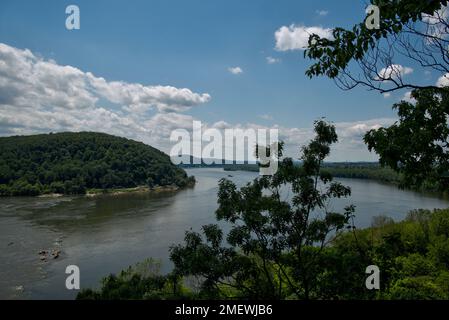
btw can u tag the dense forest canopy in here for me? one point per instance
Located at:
(71, 163)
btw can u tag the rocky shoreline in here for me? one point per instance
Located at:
(142, 189)
(114, 192)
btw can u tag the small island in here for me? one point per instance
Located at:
(79, 163)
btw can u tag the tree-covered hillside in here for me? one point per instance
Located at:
(71, 163)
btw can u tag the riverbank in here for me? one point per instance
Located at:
(119, 191)
(140, 189)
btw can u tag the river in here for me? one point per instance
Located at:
(106, 234)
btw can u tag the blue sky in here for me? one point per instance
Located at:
(192, 44)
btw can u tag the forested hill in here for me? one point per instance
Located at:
(72, 163)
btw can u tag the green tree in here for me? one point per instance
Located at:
(141, 281)
(417, 144)
(409, 30)
(275, 246)
(415, 31)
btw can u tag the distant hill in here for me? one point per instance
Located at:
(71, 163)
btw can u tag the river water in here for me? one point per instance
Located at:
(106, 234)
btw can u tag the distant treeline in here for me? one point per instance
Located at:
(362, 170)
(72, 163)
(193, 162)
(241, 167)
(358, 170)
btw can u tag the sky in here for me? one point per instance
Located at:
(142, 69)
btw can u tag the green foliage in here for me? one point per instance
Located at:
(296, 248)
(356, 170)
(71, 163)
(142, 281)
(274, 248)
(416, 146)
(333, 56)
(371, 171)
(411, 254)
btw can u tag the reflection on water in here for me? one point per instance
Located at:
(105, 234)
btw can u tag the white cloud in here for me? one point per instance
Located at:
(266, 117)
(437, 16)
(297, 37)
(38, 95)
(387, 95)
(139, 98)
(394, 71)
(271, 60)
(443, 81)
(436, 24)
(45, 83)
(221, 125)
(322, 13)
(235, 70)
(408, 97)
(350, 145)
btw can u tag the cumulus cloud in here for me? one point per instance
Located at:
(221, 125)
(394, 71)
(350, 144)
(265, 117)
(443, 81)
(44, 83)
(296, 37)
(437, 16)
(38, 95)
(235, 70)
(436, 23)
(408, 97)
(350, 134)
(322, 13)
(139, 98)
(271, 60)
